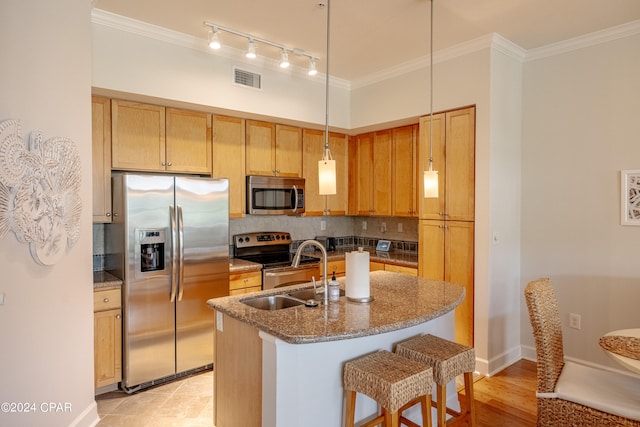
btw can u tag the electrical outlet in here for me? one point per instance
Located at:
(323, 225)
(400, 227)
(383, 227)
(574, 320)
(364, 225)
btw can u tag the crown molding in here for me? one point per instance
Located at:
(603, 36)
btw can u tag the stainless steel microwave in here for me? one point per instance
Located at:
(275, 195)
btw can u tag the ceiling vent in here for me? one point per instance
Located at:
(247, 78)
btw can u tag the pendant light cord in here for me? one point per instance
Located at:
(431, 90)
(326, 95)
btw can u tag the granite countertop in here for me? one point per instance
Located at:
(400, 301)
(241, 266)
(104, 279)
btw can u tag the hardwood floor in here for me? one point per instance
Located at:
(507, 398)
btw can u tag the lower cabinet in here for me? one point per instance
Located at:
(375, 266)
(336, 267)
(243, 283)
(107, 337)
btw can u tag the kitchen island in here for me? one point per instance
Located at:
(284, 367)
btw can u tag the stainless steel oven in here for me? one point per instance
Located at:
(271, 249)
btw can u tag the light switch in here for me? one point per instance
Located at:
(323, 225)
(1, 298)
(219, 323)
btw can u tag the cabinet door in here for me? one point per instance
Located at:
(101, 155)
(364, 174)
(260, 148)
(382, 173)
(228, 160)
(460, 169)
(404, 165)
(138, 136)
(107, 346)
(313, 149)
(446, 252)
(288, 151)
(432, 208)
(188, 141)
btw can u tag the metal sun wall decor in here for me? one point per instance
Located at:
(630, 186)
(39, 192)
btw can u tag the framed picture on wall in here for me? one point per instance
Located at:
(630, 189)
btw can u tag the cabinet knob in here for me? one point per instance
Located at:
(164, 164)
(117, 316)
(106, 300)
(169, 164)
(108, 214)
(245, 281)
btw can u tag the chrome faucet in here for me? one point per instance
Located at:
(296, 262)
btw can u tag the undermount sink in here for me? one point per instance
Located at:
(272, 302)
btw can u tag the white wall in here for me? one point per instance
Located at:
(580, 128)
(46, 322)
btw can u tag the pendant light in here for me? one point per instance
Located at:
(327, 166)
(431, 176)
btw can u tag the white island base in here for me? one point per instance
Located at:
(302, 383)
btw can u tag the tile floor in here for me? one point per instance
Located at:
(184, 403)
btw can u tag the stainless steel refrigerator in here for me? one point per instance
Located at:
(174, 235)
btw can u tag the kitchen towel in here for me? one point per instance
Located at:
(357, 275)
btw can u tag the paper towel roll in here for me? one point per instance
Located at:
(357, 275)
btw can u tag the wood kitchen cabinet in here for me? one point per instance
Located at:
(376, 265)
(228, 160)
(101, 158)
(454, 159)
(243, 283)
(273, 149)
(107, 336)
(404, 165)
(313, 150)
(446, 252)
(373, 174)
(337, 267)
(153, 138)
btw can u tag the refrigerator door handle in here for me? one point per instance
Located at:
(174, 250)
(181, 248)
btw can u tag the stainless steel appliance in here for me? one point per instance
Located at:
(271, 249)
(275, 195)
(174, 234)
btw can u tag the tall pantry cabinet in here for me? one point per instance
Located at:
(446, 228)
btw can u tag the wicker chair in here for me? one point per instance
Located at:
(570, 394)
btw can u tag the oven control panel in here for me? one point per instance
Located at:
(248, 240)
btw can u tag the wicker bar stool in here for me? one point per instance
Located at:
(392, 381)
(448, 360)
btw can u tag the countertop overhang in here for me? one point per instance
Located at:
(400, 301)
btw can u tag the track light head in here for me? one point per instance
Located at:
(284, 59)
(214, 42)
(312, 67)
(251, 50)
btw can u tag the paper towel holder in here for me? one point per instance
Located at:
(360, 300)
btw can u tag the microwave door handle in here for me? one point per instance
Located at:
(181, 255)
(174, 257)
(295, 200)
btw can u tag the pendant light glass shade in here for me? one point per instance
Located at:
(430, 183)
(327, 174)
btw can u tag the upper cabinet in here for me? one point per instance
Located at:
(313, 149)
(158, 139)
(454, 158)
(101, 153)
(273, 149)
(404, 164)
(372, 176)
(228, 159)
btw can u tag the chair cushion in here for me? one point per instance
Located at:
(606, 391)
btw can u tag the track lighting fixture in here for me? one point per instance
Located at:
(214, 43)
